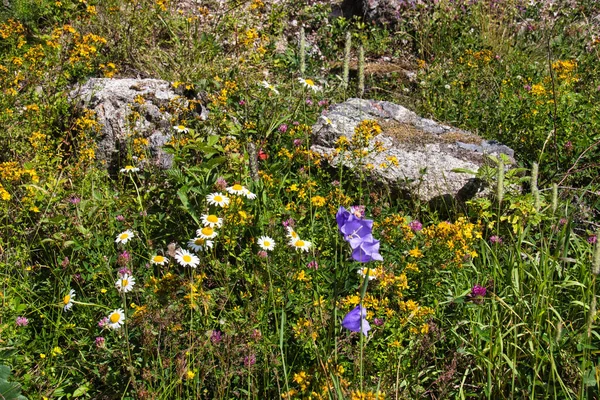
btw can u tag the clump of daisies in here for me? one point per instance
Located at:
(296, 242)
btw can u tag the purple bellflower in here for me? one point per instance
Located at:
(365, 249)
(356, 320)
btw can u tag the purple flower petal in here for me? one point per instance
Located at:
(367, 250)
(356, 320)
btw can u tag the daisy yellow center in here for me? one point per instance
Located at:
(237, 187)
(266, 243)
(309, 82)
(159, 259)
(187, 258)
(129, 167)
(199, 241)
(294, 234)
(124, 282)
(67, 299)
(114, 318)
(299, 243)
(181, 127)
(218, 199)
(123, 236)
(212, 219)
(207, 231)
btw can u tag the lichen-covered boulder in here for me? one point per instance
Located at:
(126, 108)
(413, 155)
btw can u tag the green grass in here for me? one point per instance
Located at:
(256, 324)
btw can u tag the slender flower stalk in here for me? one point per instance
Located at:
(361, 71)
(347, 49)
(302, 51)
(554, 198)
(534, 187)
(596, 259)
(500, 183)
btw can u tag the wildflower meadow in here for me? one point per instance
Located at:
(246, 264)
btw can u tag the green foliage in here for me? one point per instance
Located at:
(257, 322)
(9, 390)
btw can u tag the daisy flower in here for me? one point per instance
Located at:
(68, 300)
(291, 233)
(266, 243)
(372, 273)
(310, 84)
(186, 259)
(116, 318)
(267, 85)
(212, 220)
(124, 237)
(128, 169)
(237, 189)
(249, 194)
(159, 260)
(199, 244)
(125, 283)
(300, 244)
(326, 120)
(181, 129)
(206, 233)
(217, 199)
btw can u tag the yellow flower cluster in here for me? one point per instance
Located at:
(564, 70)
(538, 90)
(457, 237)
(302, 379)
(304, 329)
(10, 28)
(38, 141)
(394, 227)
(358, 395)
(475, 58)
(139, 147)
(364, 132)
(12, 172)
(85, 47)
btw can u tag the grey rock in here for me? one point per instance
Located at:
(427, 152)
(113, 101)
(383, 11)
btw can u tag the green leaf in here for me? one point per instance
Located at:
(81, 390)
(9, 390)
